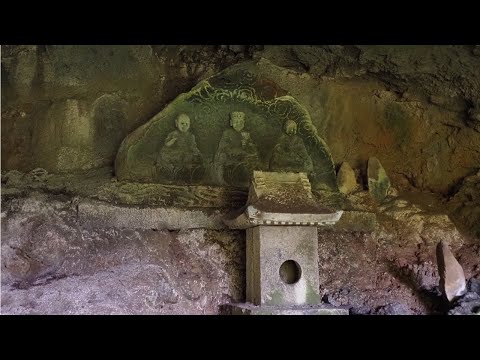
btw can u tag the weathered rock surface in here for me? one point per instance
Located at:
(378, 180)
(346, 179)
(46, 251)
(452, 278)
(415, 107)
(393, 309)
(468, 304)
(65, 108)
(465, 205)
(54, 262)
(68, 107)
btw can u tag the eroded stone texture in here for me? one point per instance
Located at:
(346, 179)
(250, 309)
(355, 221)
(242, 121)
(416, 223)
(465, 205)
(378, 181)
(97, 268)
(452, 278)
(53, 264)
(414, 107)
(393, 309)
(67, 107)
(98, 213)
(182, 196)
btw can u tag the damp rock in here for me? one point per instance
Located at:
(474, 285)
(392, 192)
(362, 310)
(378, 181)
(13, 178)
(38, 174)
(452, 277)
(476, 50)
(468, 304)
(237, 49)
(346, 180)
(394, 309)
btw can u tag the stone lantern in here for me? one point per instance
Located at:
(281, 219)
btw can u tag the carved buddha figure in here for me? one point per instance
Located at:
(179, 157)
(237, 154)
(290, 153)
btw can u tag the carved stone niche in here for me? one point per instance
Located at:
(281, 219)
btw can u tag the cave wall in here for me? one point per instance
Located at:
(67, 109)
(416, 108)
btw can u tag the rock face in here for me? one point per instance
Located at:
(465, 205)
(67, 107)
(452, 278)
(47, 250)
(378, 181)
(58, 101)
(469, 303)
(346, 179)
(393, 309)
(56, 259)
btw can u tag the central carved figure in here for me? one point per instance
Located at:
(237, 154)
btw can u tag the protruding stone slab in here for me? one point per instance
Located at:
(378, 181)
(452, 277)
(346, 179)
(96, 213)
(250, 309)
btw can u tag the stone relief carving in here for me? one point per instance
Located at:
(237, 154)
(241, 121)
